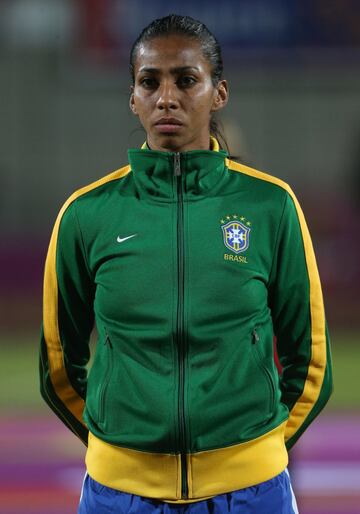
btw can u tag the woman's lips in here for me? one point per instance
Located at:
(168, 127)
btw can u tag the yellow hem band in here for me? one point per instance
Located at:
(209, 472)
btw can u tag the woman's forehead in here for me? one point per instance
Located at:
(170, 51)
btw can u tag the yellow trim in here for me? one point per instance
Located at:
(235, 166)
(210, 472)
(58, 376)
(317, 365)
(214, 145)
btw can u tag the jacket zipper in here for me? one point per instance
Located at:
(106, 378)
(180, 323)
(255, 340)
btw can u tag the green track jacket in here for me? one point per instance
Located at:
(189, 264)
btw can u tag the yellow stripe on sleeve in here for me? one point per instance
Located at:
(59, 379)
(317, 365)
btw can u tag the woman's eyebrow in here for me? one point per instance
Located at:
(178, 69)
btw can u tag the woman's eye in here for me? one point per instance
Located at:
(186, 81)
(148, 82)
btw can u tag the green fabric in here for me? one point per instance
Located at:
(164, 370)
(49, 395)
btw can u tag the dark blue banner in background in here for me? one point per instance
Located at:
(248, 23)
(244, 28)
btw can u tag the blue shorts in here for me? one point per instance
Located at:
(275, 496)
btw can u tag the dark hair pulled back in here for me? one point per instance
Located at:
(194, 29)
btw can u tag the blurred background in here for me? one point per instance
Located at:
(294, 112)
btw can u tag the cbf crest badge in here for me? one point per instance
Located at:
(236, 233)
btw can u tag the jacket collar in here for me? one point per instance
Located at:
(154, 172)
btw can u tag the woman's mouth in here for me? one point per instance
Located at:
(168, 125)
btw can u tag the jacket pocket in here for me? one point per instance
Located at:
(106, 378)
(257, 340)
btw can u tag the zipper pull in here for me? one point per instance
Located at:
(177, 168)
(255, 335)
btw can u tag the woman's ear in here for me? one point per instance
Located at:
(132, 101)
(221, 96)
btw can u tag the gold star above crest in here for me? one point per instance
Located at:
(242, 218)
(235, 216)
(228, 217)
(222, 221)
(248, 223)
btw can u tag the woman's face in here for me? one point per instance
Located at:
(173, 94)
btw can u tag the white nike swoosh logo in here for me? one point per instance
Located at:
(120, 240)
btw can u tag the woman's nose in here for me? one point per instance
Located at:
(167, 96)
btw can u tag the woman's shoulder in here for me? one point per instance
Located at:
(261, 177)
(107, 179)
(98, 187)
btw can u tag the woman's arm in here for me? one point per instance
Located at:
(67, 322)
(296, 303)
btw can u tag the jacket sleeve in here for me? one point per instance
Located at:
(67, 322)
(300, 327)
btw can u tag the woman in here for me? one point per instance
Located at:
(188, 263)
